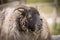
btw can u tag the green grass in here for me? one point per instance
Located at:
(39, 1)
(47, 10)
(57, 30)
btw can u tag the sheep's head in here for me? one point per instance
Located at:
(29, 19)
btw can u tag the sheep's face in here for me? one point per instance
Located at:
(34, 20)
(30, 19)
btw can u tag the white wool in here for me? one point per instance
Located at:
(8, 20)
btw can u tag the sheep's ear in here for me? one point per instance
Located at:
(18, 12)
(21, 10)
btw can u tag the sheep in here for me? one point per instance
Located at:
(23, 23)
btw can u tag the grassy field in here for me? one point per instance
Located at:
(57, 30)
(44, 2)
(39, 1)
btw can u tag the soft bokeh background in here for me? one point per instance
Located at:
(50, 9)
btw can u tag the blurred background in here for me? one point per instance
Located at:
(48, 8)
